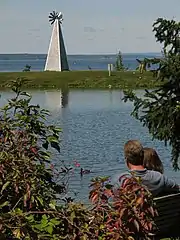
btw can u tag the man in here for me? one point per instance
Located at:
(157, 183)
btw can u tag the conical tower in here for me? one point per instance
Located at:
(56, 58)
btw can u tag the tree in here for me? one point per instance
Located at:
(27, 68)
(160, 109)
(119, 66)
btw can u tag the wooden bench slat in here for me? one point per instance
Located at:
(168, 208)
(175, 195)
(173, 206)
(165, 211)
(172, 203)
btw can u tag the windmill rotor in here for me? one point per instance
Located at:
(53, 16)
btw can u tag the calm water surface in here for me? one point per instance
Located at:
(95, 124)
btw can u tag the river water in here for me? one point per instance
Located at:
(95, 124)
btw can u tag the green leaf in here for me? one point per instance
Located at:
(5, 186)
(18, 211)
(30, 218)
(52, 206)
(38, 226)
(4, 204)
(44, 221)
(54, 221)
(40, 200)
(49, 229)
(58, 129)
(72, 216)
(52, 139)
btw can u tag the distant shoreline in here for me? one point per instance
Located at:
(88, 54)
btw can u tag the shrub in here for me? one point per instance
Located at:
(27, 180)
(126, 212)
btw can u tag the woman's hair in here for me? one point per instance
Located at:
(152, 160)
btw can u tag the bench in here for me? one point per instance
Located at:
(168, 219)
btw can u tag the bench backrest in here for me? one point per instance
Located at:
(168, 213)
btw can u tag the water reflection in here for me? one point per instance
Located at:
(55, 100)
(65, 97)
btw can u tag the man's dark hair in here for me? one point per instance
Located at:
(133, 151)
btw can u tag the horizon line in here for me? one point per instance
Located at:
(24, 53)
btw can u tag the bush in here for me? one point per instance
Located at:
(123, 213)
(27, 180)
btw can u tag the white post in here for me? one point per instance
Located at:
(109, 69)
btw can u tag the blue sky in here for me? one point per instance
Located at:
(94, 26)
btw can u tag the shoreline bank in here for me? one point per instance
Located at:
(81, 80)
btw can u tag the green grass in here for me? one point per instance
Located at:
(81, 79)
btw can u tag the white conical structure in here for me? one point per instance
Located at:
(57, 58)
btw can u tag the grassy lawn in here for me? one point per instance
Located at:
(82, 79)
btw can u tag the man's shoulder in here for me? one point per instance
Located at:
(116, 179)
(154, 173)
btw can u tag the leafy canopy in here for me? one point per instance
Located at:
(159, 110)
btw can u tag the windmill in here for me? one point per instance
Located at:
(56, 58)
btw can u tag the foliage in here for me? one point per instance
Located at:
(119, 66)
(159, 109)
(27, 178)
(143, 64)
(146, 63)
(126, 212)
(27, 68)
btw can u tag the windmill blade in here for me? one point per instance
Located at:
(50, 17)
(52, 21)
(60, 15)
(56, 15)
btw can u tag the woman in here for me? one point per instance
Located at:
(152, 161)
